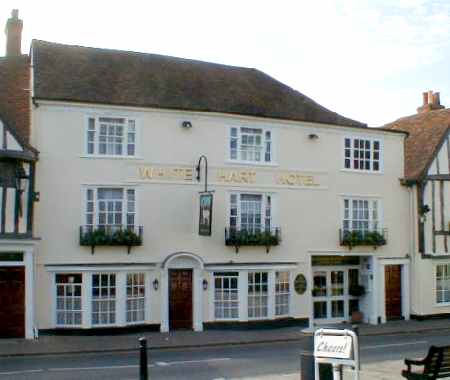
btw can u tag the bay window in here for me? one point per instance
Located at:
(111, 136)
(251, 294)
(362, 154)
(251, 145)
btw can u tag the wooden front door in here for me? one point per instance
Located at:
(12, 302)
(180, 290)
(393, 291)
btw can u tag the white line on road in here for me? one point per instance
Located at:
(21, 372)
(164, 364)
(393, 345)
(94, 368)
(159, 364)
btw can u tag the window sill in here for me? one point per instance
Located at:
(443, 304)
(110, 157)
(362, 171)
(251, 163)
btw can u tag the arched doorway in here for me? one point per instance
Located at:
(182, 292)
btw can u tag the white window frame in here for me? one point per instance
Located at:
(102, 299)
(72, 298)
(282, 293)
(445, 291)
(328, 298)
(223, 300)
(125, 210)
(370, 201)
(372, 141)
(136, 298)
(259, 295)
(96, 141)
(264, 131)
(264, 207)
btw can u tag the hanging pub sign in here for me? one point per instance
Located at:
(206, 208)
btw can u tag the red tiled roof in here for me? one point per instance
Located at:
(15, 101)
(426, 133)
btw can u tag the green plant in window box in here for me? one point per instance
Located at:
(101, 237)
(266, 238)
(355, 238)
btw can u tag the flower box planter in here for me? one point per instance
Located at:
(110, 236)
(352, 239)
(265, 238)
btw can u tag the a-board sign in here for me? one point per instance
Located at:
(333, 346)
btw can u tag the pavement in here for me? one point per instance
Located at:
(59, 344)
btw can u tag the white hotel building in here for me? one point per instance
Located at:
(307, 205)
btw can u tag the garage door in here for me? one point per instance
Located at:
(12, 302)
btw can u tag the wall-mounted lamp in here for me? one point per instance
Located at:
(21, 179)
(313, 136)
(155, 284)
(186, 124)
(205, 284)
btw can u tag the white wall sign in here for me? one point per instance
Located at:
(332, 346)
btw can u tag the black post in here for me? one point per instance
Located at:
(355, 328)
(198, 169)
(143, 368)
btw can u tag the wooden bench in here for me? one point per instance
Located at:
(436, 365)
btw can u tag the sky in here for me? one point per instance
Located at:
(369, 60)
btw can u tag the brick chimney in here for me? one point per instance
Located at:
(431, 101)
(13, 31)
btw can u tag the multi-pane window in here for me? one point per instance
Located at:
(103, 298)
(251, 144)
(226, 295)
(258, 295)
(362, 154)
(68, 299)
(442, 283)
(112, 136)
(250, 212)
(282, 293)
(361, 215)
(135, 297)
(110, 208)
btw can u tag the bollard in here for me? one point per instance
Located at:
(143, 368)
(355, 328)
(307, 365)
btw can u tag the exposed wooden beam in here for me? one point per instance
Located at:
(438, 177)
(442, 206)
(433, 214)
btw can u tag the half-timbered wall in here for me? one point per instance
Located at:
(437, 197)
(14, 206)
(7, 140)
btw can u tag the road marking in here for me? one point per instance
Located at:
(165, 364)
(22, 372)
(394, 345)
(94, 368)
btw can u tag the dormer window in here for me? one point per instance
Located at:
(111, 136)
